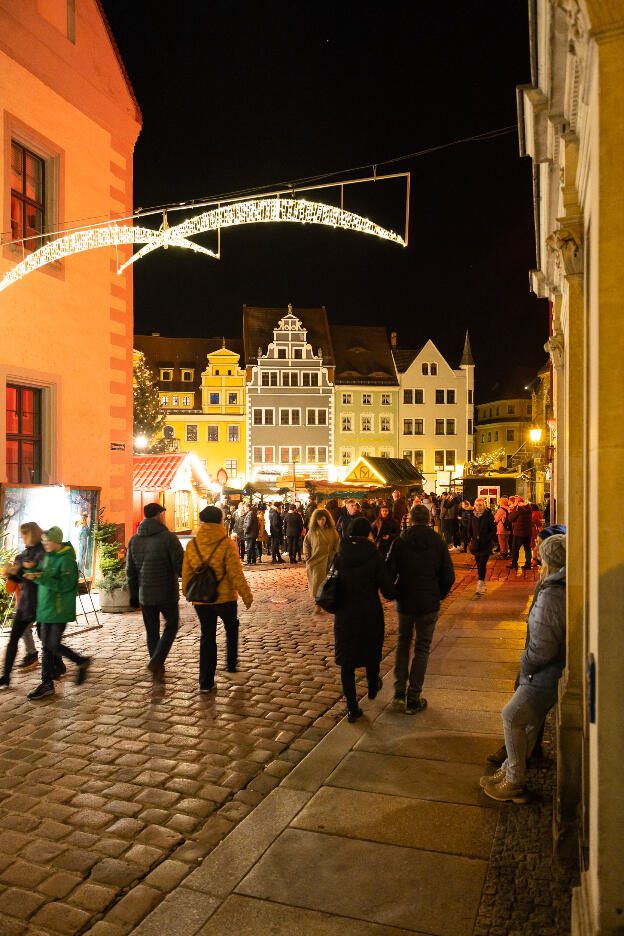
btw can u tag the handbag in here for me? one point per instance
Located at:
(203, 584)
(328, 594)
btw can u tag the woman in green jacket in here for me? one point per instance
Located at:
(56, 577)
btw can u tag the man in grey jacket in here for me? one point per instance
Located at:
(153, 567)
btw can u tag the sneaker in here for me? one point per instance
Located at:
(498, 757)
(30, 660)
(480, 587)
(5, 682)
(42, 691)
(398, 704)
(354, 714)
(419, 705)
(59, 670)
(83, 668)
(506, 792)
(373, 690)
(497, 776)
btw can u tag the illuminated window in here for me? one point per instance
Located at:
(438, 459)
(231, 466)
(263, 454)
(321, 454)
(346, 456)
(232, 399)
(407, 454)
(164, 401)
(27, 196)
(175, 400)
(450, 458)
(186, 401)
(23, 434)
(419, 458)
(191, 433)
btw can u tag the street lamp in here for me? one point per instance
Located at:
(141, 442)
(535, 434)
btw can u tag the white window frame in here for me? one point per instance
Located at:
(422, 392)
(269, 374)
(188, 426)
(316, 460)
(437, 467)
(216, 402)
(231, 466)
(175, 400)
(290, 449)
(238, 433)
(263, 449)
(349, 453)
(385, 419)
(347, 399)
(437, 423)
(264, 410)
(367, 416)
(164, 401)
(385, 453)
(448, 464)
(233, 393)
(186, 401)
(208, 428)
(290, 410)
(422, 422)
(310, 375)
(386, 399)
(316, 411)
(287, 378)
(408, 431)
(422, 462)
(452, 402)
(348, 416)
(367, 399)
(453, 430)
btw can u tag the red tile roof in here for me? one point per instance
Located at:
(156, 472)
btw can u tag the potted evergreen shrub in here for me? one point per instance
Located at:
(112, 585)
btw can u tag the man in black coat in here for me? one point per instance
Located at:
(251, 529)
(153, 567)
(294, 528)
(422, 570)
(275, 532)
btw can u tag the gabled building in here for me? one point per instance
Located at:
(202, 390)
(290, 372)
(366, 394)
(502, 423)
(68, 122)
(435, 415)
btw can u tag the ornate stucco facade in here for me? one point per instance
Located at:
(571, 123)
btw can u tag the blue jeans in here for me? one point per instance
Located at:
(523, 717)
(424, 625)
(52, 647)
(159, 646)
(208, 614)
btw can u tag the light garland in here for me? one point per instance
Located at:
(110, 236)
(256, 211)
(271, 210)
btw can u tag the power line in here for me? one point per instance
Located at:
(202, 201)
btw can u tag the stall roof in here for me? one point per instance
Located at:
(156, 472)
(385, 470)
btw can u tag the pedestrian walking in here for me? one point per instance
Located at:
(420, 566)
(520, 517)
(275, 531)
(251, 528)
(482, 539)
(56, 579)
(262, 532)
(294, 527)
(212, 546)
(399, 508)
(541, 667)
(238, 527)
(359, 619)
(503, 527)
(153, 567)
(349, 514)
(385, 531)
(465, 519)
(26, 602)
(319, 548)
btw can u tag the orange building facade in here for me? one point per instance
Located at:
(68, 125)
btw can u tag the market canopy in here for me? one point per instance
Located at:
(382, 471)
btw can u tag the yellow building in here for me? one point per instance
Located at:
(202, 389)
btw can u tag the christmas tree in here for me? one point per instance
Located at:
(149, 419)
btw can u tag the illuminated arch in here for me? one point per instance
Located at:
(270, 210)
(255, 211)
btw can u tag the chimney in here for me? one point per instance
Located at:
(393, 340)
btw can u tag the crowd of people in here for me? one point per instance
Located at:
(370, 547)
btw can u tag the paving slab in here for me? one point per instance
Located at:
(476, 700)
(395, 737)
(399, 820)
(455, 720)
(444, 781)
(248, 916)
(386, 883)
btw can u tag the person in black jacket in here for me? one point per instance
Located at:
(359, 619)
(421, 568)
(26, 607)
(482, 539)
(153, 567)
(275, 532)
(293, 525)
(251, 529)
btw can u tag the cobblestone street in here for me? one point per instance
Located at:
(112, 792)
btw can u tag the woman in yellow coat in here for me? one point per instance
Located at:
(213, 545)
(319, 548)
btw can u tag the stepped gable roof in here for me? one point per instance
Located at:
(395, 470)
(259, 323)
(176, 353)
(363, 355)
(403, 358)
(467, 358)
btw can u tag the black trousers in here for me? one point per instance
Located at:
(159, 645)
(208, 615)
(347, 675)
(517, 543)
(53, 649)
(293, 546)
(19, 625)
(276, 552)
(481, 559)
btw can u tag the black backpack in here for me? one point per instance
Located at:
(506, 521)
(203, 584)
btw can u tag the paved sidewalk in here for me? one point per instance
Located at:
(382, 829)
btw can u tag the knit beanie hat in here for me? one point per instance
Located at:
(553, 551)
(54, 534)
(360, 527)
(211, 514)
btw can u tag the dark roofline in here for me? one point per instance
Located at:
(126, 77)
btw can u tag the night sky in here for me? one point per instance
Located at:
(241, 94)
